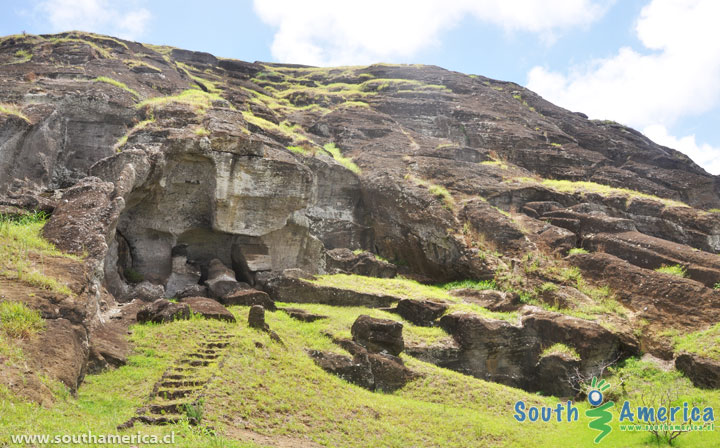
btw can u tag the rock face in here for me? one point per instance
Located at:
(703, 372)
(509, 353)
(363, 263)
(224, 174)
(378, 335)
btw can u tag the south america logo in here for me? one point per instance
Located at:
(599, 413)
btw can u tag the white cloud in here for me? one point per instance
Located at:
(332, 32)
(675, 76)
(99, 16)
(704, 155)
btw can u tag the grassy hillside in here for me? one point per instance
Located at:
(266, 393)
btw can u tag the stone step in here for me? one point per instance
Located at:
(195, 362)
(182, 382)
(174, 394)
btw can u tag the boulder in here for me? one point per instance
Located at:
(420, 312)
(363, 263)
(283, 288)
(489, 298)
(192, 291)
(163, 310)
(248, 297)
(354, 370)
(208, 308)
(703, 372)
(373, 371)
(302, 315)
(378, 335)
(221, 280)
(145, 291)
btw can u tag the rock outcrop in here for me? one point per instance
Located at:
(187, 176)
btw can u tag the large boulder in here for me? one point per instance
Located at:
(192, 291)
(355, 370)
(703, 372)
(163, 310)
(378, 335)
(208, 308)
(286, 288)
(373, 371)
(248, 297)
(420, 312)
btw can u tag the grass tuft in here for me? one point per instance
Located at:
(116, 83)
(19, 321)
(19, 240)
(577, 250)
(347, 162)
(13, 109)
(677, 270)
(560, 349)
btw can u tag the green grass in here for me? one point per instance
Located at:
(560, 349)
(201, 132)
(110, 398)
(705, 343)
(13, 109)
(347, 162)
(498, 163)
(298, 150)
(717, 285)
(438, 191)
(284, 128)
(677, 270)
(133, 63)
(577, 250)
(478, 285)
(567, 186)
(557, 145)
(277, 391)
(19, 321)
(116, 83)
(714, 210)
(23, 56)
(22, 251)
(199, 100)
(403, 288)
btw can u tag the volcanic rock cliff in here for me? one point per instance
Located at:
(155, 161)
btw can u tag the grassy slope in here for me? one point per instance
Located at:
(277, 391)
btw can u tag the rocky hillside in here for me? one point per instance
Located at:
(511, 240)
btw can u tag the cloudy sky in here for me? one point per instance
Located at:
(650, 64)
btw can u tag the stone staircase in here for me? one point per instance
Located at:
(181, 387)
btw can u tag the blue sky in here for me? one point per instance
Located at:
(650, 64)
